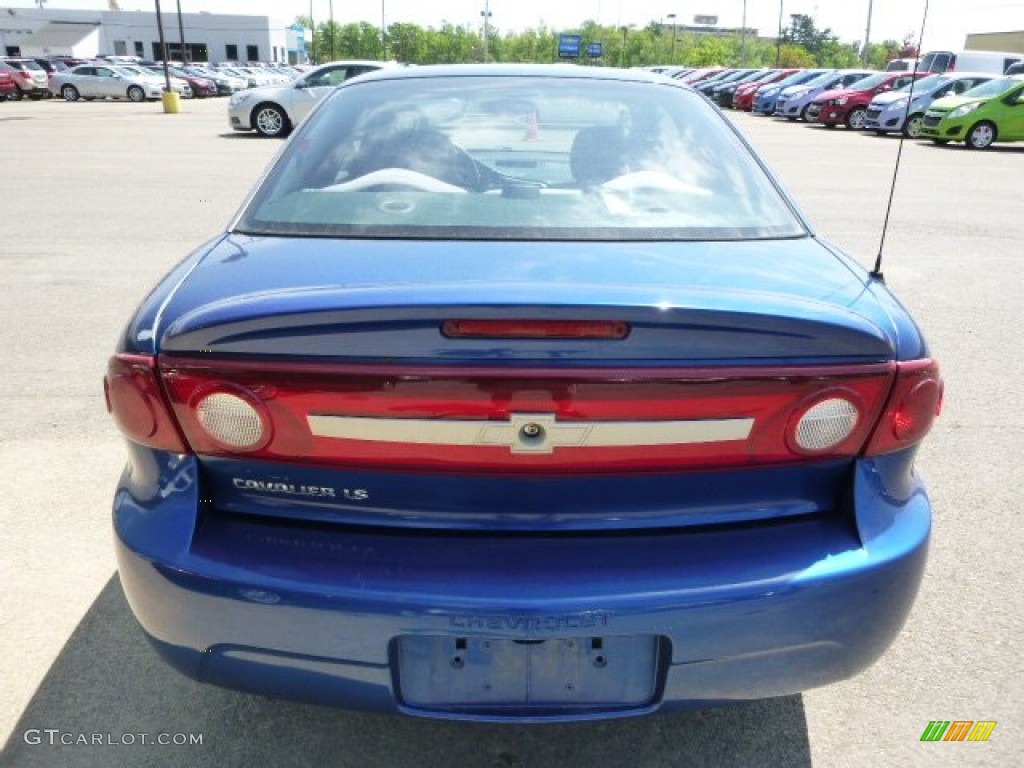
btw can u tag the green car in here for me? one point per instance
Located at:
(993, 111)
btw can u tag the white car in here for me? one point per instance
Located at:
(273, 111)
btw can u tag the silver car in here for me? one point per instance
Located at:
(103, 81)
(178, 84)
(273, 111)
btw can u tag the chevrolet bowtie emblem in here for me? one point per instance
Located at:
(535, 433)
(530, 433)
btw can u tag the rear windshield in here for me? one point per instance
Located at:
(869, 82)
(822, 79)
(25, 65)
(518, 158)
(925, 84)
(993, 87)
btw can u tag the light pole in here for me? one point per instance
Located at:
(778, 40)
(672, 55)
(622, 54)
(311, 53)
(330, 11)
(383, 33)
(163, 47)
(866, 56)
(181, 33)
(743, 36)
(486, 13)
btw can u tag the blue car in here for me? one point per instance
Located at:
(520, 393)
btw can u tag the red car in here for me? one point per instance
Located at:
(848, 106)
(744, 96)
(7, 84)
(201, 86)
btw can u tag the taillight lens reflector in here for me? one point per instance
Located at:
(232, 419)
(137, 403)
(826, 423)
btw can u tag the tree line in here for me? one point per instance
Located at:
(801, 44)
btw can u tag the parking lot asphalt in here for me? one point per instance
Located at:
(101, 199)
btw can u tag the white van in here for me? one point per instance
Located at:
(995, 62)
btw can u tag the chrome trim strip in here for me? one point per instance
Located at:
(530, 432)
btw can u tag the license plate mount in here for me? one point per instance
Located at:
(448, 672)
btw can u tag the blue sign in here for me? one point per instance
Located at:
(569, 46)
(595, 50)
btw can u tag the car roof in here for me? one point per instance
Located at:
(561, 71)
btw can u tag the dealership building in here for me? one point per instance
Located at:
(207, 36)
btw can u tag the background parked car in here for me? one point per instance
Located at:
(178, 85)
(848, 106)
(224, 83)
(767, 96)
(249, 80)
(257, 77)
(901, 65)
(991, 112)
(707, 87)
(200, 86)
(699, 75)
(743, 98)
(887, 111)
(31, 79)
(275, 110)
(102, 81)
(995, 62)
(7, 84)
(795, 105)
(722, 94)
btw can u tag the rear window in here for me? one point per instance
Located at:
(23, 65)
(518, 158)
(992, 88)
(869, 82)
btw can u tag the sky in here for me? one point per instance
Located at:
(947, 24)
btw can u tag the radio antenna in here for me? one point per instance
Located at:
(876, 272)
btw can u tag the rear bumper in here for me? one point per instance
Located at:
(319, 612)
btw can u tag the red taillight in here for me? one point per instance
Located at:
(137, 403)
(503, 419)
(535, 329)
(913, 406)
